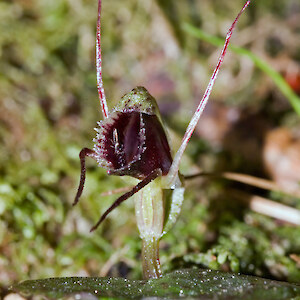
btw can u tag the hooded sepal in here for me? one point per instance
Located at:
(132, 141)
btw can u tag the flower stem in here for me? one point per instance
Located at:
(150, 259)
(149, 211)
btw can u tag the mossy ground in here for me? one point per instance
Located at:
(49, 107)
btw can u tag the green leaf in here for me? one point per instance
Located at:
(203, 284)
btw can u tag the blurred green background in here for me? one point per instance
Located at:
(49, 107)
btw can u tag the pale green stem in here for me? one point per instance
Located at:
(149, 212)
(150, 259)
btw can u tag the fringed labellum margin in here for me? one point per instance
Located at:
(131, 141)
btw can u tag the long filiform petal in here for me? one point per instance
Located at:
(101, 92)
(172, 177)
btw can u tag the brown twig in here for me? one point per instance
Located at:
(248, 179)
(270, 208)
(117, 191)
(295, 258)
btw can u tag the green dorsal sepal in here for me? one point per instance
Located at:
(138, 100)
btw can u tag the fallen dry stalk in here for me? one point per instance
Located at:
(117, 191)
(295, 258)
(270, 208)
(248, 179)
(256, 203)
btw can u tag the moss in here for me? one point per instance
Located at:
(48, 110)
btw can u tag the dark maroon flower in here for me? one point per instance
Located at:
(132, 140)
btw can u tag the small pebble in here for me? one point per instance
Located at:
(13, 297)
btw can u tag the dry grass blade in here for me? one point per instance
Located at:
(250, 180)
(295, 258)
(270, 208)
(117, 191)
(114, 258)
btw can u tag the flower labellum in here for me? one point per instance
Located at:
(132, 140)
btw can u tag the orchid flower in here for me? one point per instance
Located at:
(131, 141)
